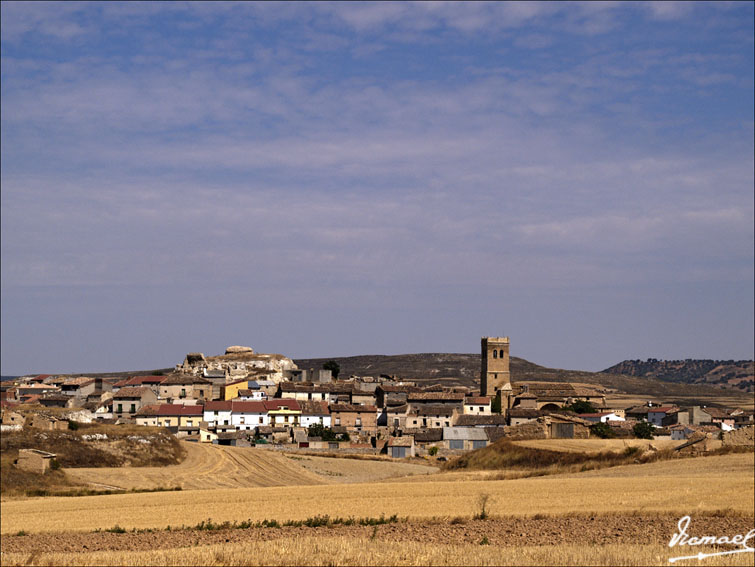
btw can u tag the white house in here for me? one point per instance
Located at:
(217, 413)
(477, 406)
(314, 412)
(248, 415)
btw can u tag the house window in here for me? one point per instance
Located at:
(241, 419)
(189, 423)
(166, 423)
(456, 444)
(482, 408)
(359, 421)
(133, 408)
(395, 422)
(225, 422)
(120, 408)
(338, 421)
(260, 419)
(183, 393)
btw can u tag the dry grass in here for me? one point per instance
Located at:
(338, 470)
(594, 445)
(683, 487)
(353, 551)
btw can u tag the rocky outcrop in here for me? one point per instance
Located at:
(239, 349)
(242, 363)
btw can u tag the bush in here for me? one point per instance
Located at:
(432, 451)
(581, 406)
(643, 430)
(602, 430)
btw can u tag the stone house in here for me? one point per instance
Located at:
(13, 418)
(56, 401)
(387, 395)
(394, 417)
(434, 398)
(185, 387)
(151, 382)
(231, 390)
(431, 415)
(127, 401)
(34, 460)
(401, 447)
(363, 397)
(354, 417)
(78, 387)
(658, 415)
(48, 423)
(304, 392)
(519, 415)
(252, 396)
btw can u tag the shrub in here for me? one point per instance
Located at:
(484, 541)
(602, 430)
(432, 451)
(643, 430)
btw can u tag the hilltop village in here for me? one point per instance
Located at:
(244, 398)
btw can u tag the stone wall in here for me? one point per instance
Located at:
(536, 429)
(739, 437)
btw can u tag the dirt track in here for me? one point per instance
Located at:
(587, 530)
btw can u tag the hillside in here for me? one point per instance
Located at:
(464, 369)
(734, 374)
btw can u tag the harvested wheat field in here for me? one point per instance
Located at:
(613, 539)
(677, 487)
(210, 466)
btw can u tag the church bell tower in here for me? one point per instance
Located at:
(494, 374)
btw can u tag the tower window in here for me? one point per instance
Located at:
(501, 353)
(495, 354)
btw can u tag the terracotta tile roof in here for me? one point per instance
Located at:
(248, 407)
(81, 381)
(424, 435)
(525, 412)
(131, 392)
(434, 396)
(314, 408)
(445, 410)
(278, 404)
(476, 401)
(178, 410)
(491, 420)
(352, 408)
(218, 405)
(183, 379)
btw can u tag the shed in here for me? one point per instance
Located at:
(34, 460)
(465, 438)
(401, 447)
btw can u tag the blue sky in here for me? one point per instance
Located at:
(321, 179)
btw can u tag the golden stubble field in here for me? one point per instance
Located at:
(209, 466)
(683, 487)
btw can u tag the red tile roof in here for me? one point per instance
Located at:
(178, 410)
(218, 406)
(249, 407)
(131, 392)
(272, 405)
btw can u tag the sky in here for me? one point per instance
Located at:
(336, 179)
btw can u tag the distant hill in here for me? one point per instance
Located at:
(464, 369)
(734, 374)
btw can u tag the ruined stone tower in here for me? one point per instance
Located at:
(494, 374)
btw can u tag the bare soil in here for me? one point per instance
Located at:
(501, 531)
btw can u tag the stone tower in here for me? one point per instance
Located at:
(495, 375)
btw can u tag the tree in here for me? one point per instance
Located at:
(581, 406)
(643, 430)
(334, 367)
(495, 406)
(602, 430)
(319, 430)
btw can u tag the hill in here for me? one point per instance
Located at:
(464, 369)
(734, 374)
